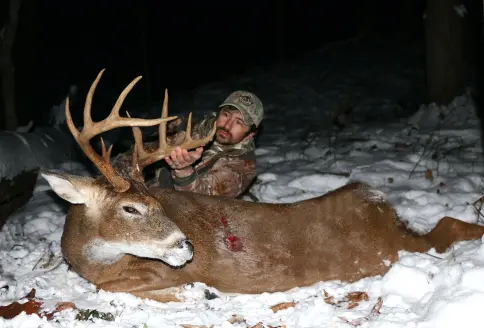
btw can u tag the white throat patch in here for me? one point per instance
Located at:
(108, 252)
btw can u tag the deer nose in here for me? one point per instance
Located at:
(185, 244)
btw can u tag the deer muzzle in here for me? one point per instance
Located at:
(180, 253)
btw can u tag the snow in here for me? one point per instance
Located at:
(428, 162)
(28, 148)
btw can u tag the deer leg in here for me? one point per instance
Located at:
(171, 294)
(450, 230)
(143, 284)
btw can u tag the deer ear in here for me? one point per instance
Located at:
(69, 187)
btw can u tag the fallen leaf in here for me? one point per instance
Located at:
(356, 296)
(60, 306)
(282, 306)
(236, 319)
(352, 298)
(15, 308)
(375, 311)
(31, 294)
(328, 299)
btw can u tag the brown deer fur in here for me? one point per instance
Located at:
(347, 234)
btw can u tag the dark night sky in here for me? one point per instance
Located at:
(185, 44)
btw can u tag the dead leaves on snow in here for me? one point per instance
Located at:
(349, 301)
(13, 309)
(282, 306)
(31, 306)
(375, 311)
(352, 300)
(235, 319)
(34, 306)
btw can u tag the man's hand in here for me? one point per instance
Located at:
(181, 160)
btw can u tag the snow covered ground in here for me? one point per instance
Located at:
(429, 164)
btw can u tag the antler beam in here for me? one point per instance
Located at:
(145, 158)
(114, 120)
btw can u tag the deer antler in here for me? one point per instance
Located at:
(91, 129)
(145, 158)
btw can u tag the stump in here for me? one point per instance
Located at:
(14, 193)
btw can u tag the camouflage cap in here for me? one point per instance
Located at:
(248, 105)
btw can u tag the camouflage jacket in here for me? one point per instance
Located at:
(225, 170)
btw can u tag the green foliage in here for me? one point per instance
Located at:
(89, 314)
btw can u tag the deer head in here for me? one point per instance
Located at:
(117, 204)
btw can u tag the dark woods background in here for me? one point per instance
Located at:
(181, 45)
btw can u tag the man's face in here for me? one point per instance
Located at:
(231, 128)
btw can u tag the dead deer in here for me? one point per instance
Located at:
(124, 237)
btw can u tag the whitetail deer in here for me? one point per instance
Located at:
(124, 237)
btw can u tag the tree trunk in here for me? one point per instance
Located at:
(7, 69)
(445, 47)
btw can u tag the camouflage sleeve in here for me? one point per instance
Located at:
(228, 177)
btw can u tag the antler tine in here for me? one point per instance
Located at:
(138, 144)
(114, 120)
(87, 109)
(87, 105)
(139, 151)
(106, 154)
(70, 123)
(188, 131)
(146, 158)
(138, 148)
(162, 128)
(91, 129)
(122, 97)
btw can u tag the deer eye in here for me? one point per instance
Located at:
(130, 210)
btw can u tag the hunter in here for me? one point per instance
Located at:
(227, 165)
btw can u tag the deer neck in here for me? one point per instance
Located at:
(100, 251)
(81, 242)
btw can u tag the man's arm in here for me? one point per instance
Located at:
(228, 177)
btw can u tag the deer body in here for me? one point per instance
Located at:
(247, 247)
(124, 237)
(347, 234)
